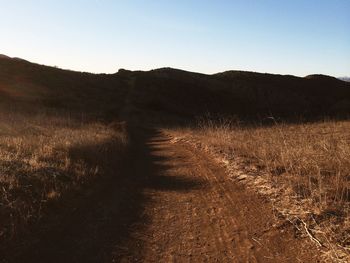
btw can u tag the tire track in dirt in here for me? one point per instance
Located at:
(212, 219)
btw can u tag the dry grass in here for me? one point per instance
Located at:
(311, 161)
(317, 156)
(43, 157)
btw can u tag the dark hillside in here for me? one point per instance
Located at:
(244, 94)
(178, 93)
(345, 79)
(168, 93)
(30, 86)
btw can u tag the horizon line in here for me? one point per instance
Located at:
(3, 56)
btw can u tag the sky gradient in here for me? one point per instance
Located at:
(277, 36)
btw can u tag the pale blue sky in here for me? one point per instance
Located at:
(288, 37)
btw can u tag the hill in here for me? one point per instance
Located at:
(247, 95)
(4, 56)
(180, 94)
(28, 87)
(345, 79)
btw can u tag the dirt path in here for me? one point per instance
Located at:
(198, 215)
(173, 204)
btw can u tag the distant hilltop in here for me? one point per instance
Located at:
(345, 79)
(14, 58)
(4, 56)
(167, 91)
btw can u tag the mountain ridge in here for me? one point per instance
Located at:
(174, 92)
(171, 70)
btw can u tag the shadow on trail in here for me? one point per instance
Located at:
(98, 227)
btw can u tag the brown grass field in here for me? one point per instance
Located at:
(316, 154)
(310, 160)
(45, 157)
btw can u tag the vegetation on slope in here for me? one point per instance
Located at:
(25, 86)
(247, 95)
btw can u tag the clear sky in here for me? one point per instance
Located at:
(278, 36)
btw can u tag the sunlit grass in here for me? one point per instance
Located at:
(306, 167)
(317, 155)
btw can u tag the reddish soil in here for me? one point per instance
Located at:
(169, 203)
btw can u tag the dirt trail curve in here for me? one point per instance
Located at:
(173, 204)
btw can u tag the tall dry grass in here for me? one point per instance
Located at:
(315, 157)
(306, 165)
(43, 157)
(305, 168)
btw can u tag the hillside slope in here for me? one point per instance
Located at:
(182, 95)
(29, 86)
(244, 94)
